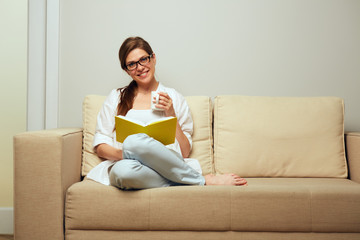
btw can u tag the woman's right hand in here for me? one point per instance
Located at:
(108, 152)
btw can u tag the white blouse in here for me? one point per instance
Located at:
(106, 121)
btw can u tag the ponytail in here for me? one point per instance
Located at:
(126, 99)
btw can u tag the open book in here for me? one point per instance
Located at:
(162, 129)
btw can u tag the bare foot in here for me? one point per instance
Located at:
(225, 179)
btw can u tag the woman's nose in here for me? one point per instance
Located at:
(140, 67)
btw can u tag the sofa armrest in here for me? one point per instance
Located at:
(352, 141)
(46, 163)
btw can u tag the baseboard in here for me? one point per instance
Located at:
(6, 220)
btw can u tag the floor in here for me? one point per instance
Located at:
(6, 237)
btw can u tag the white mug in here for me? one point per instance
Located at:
(155, 96)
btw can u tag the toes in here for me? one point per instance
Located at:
(241, 181)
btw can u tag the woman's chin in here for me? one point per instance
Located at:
(145, 81)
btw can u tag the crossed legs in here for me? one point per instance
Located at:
(147, 164)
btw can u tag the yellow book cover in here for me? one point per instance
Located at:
(162, 129)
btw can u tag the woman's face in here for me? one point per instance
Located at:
(142, 74)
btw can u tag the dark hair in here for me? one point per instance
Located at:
(127, 94)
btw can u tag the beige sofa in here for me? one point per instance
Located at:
(303, 177)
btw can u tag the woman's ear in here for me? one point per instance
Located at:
(154, 58)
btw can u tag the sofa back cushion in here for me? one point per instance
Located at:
(201, 111)
(91, 107)
(279, 136)
(202, 149)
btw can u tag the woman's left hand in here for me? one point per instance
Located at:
(166, 103)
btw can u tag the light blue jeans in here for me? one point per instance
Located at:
(147, 163)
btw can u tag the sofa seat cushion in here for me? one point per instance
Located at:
(266, 204)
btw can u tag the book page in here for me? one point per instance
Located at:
(158, 120)
(136, 121)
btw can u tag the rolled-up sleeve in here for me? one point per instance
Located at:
(104, 131)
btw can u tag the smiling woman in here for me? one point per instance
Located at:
(142, 162)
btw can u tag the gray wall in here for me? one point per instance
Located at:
(214, 47)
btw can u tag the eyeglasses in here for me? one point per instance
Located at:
(143, 61)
